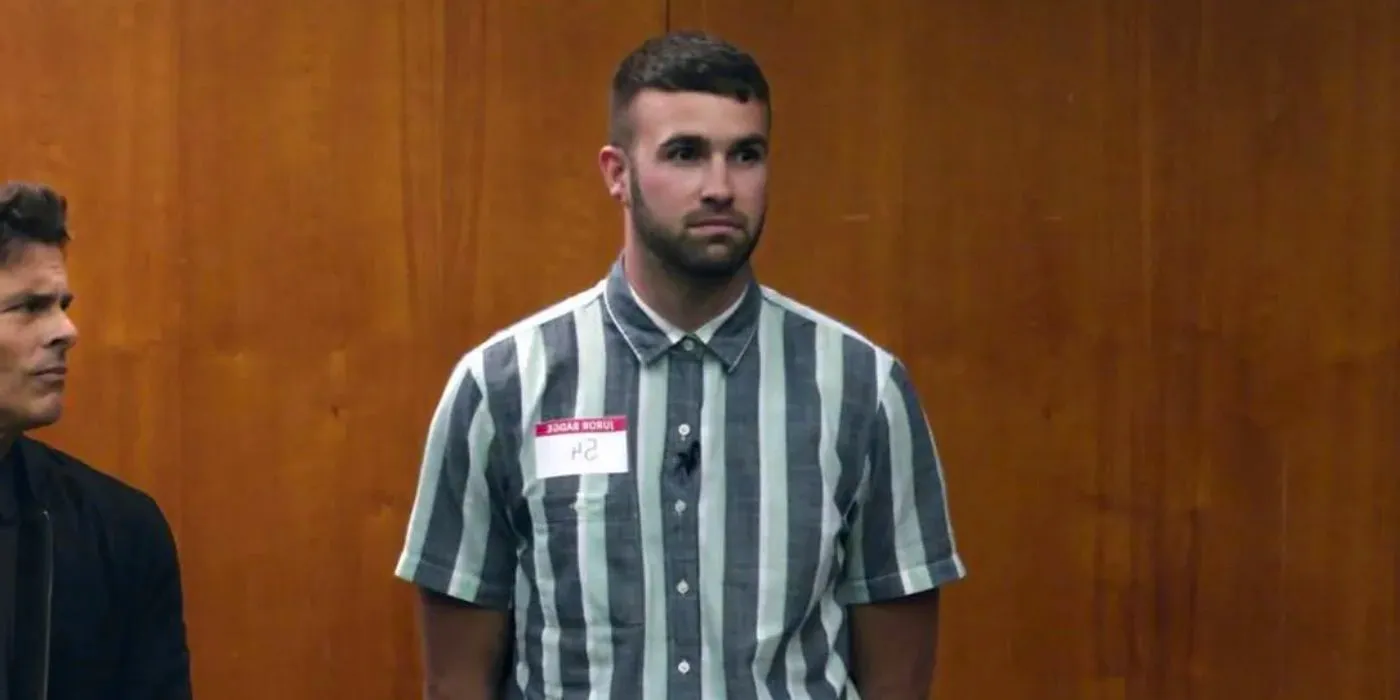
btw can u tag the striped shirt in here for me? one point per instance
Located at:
(771, 469)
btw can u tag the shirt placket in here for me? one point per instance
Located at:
(680, 485)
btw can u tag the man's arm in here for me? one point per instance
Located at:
(900, 551)
(464, 646)
(155, 655)
(460, 547)
(894, 645)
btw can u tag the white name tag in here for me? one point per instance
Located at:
(577, 446)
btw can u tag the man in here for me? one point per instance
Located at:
(680, 483)
(90, 595)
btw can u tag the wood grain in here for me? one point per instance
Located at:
(1143, 260)
(290, 220)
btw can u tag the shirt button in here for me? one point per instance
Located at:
(684, 429)
(683, 667)
(683, 588)
(680, 507)
(688, 344)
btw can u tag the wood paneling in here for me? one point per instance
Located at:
(290, 220)
(1142, 259)
(1273, 244)
(1145, 267)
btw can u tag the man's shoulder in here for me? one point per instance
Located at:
(853, 342)
(74, 480)
(498, 360)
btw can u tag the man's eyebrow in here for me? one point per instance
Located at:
(32, 296)
(683, 138)
(749, 141)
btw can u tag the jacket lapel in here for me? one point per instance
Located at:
(33, 589)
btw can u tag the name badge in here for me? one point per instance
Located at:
(577, 446)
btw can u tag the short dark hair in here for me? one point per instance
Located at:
(683, 61)
(31, 213)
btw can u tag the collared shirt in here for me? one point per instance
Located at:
(766, 478)
(674, 334)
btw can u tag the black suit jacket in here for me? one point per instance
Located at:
(99, 604)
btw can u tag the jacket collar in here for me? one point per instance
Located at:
(11, 483)
(650, 337)
(25, 465)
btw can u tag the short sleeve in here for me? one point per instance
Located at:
(459, 541)
(901, 539)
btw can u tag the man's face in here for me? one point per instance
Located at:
(35, 336)
(696, 188)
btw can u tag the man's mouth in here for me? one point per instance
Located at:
(717, 224)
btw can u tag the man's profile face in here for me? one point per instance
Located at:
(35, 336)
(697, 185)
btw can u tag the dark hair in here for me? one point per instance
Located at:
(683, 61)
(31, 213)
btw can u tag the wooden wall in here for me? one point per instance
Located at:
(1143, 259)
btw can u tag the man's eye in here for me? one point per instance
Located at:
(682, 152)
(750, 155)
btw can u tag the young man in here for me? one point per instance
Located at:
(680, 483)
(90, 595)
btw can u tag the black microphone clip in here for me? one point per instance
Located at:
(689, 458)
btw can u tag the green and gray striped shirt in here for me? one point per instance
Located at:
(674, 515)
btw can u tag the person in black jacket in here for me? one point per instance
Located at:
(91, 604)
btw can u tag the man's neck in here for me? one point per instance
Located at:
(688, 304)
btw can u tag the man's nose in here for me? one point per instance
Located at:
(718, 186)
(66, 334)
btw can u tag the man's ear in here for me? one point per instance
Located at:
(613, 164)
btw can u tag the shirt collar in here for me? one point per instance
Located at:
(727, 336)
(673, 332)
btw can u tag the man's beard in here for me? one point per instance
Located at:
(685, 255)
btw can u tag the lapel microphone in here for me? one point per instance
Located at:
(689, 458)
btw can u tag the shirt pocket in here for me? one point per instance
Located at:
(572, 502)
(586, 550)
